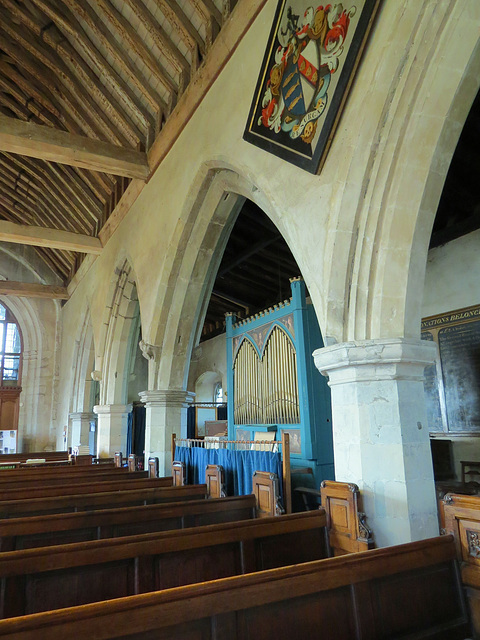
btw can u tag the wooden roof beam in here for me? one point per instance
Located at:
(34, 290)
(38, 141)
(52, 238)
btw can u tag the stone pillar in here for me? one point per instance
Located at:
(112, 428)
(166, 413)
(380, 432)
(80, 428)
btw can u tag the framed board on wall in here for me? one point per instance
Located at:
(452, 384)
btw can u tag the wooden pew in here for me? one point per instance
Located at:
(408, 591)
(39, 481)
(462, 520)
(101, 500)
(67, 472)
(37, 531)
(50, 456)
(126, 482)
(348, 531)
(45, 578)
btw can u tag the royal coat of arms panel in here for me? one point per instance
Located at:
(311, 57)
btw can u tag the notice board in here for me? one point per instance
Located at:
(452, 384)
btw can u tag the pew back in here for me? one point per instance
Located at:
(129, 481)
(410, 591)
(37, 531)
(102, 500)
(47, 578)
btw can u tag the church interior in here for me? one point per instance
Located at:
(177, 282)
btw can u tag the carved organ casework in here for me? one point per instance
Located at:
(273, 384)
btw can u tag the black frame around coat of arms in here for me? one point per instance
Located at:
(308, 67)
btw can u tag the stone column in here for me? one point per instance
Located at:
(380, 432)
(80, 428)
(111, 428)
(166, 413)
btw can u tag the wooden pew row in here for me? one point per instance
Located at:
(408, 591)
(37, 531)
(129, 481)
(46, 578)
(50, 456)
(462, 520)
(68, 471)
(64, 480)
(101, 500)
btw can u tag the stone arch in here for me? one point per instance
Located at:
(119, 313)
(32, 402)
(83, 365)
(220, 192)
(205, 386)
(386, 253)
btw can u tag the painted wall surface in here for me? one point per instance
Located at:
(359, 231)
(452, 282)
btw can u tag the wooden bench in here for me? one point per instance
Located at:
(65, 480)
(408, 591)
(50, 456)
(101, 500)
(66, 472)
(462, 520)
(46, 578)
(37, 531)
(126, 482)
(348, 531)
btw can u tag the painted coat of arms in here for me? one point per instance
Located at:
(308, 67)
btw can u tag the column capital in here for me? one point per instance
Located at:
(374, 360)
(102, 409)
(167, 397)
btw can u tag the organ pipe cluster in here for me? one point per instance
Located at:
(266, 390)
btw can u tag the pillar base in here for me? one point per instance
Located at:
(111, 428)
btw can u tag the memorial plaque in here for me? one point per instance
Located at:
(452, 387)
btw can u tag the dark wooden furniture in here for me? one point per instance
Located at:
(215, 481)
(153, 468)
(101, 500)
(65, 480)
(348, 531)
(409, 591)
(46, 578)
(462, 520)
(63, 528)
(267, 494)
(50, 456)
(179, 473)
(126, 482)
(470, 471)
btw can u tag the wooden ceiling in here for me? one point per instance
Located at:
(88, 75)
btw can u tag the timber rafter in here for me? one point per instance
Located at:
(108, 71)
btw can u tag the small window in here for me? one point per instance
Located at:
(218, 393)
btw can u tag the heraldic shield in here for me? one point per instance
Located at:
(307, 67)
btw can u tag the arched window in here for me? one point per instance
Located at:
(10, 349)
(218, 393)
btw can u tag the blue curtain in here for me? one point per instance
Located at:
(129, 433)
(239, 466)
(138, 447)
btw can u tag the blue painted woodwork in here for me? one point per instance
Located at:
(297, 318)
